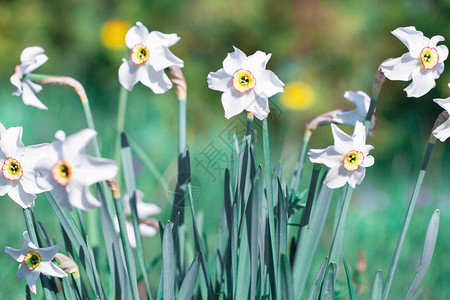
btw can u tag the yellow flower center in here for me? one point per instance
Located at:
(32, 260)
(429, 58)
(243, 81)
(12, 169)
(62, 173)
(139, 54)
(353, 160)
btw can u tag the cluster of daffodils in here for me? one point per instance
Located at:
(63, 166)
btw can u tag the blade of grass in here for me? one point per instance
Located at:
(351, 289)
(188, 285)
(168, 263)
(427, 254)
(377, 289)
(287, 290)
(315, 289)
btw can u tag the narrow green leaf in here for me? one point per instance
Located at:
(315, 289)
(351, 289)
(188, 285)
(168, 263)
(287, 289)
(327, 291)
(377, 289)
(427, 254)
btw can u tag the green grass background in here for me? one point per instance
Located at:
(333, 46)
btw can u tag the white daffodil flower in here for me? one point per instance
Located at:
(442, 132)
(423, 63)
(245, 83)
(144, 210)
(31, 58)
(19, 178)
(347, 159)
(71, 171)
(349, 117)
(34, 261)
(150, 55)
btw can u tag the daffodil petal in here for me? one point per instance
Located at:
(136, 35)
(442, 52)
(147, 209)
(422, 83)
(219, 81)
(22, 271)
(29, 97)
(256, 62)
(359, 136)
(442, 132)
(162, 57)
(15, 80)
(328, 157)
(95, 169)
(342, 141)
(347, 117)
(163, 39)
(18, 195)
(11, 142)
(412, 39)
(231, 105)
(234, 61)
(131, 235)
(434, 40)
(128, 74)
(267, 84)
(49, 252)
(26, 242)
(31, 280)
(50, 269)
(259, 107)
(356, 177)
(157, 81)
(368, 161)
(360, 99)
(337, 177)
(400, 68)
(75, 144)
(17, 254)
(29, 53)
(147, 230)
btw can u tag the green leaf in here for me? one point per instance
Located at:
(287, 289)
(351, 290)
(327, 290)
(188, 285)
(168, 263)
(377, 289)
(315, 289)
(427, 254)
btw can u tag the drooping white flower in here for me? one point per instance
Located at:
(349, 117)
(442, 132)
(31, 58)
(347, 159)
(245, 83)
(70, 170)
(19, 178)
(34, 261)
(144, 210)
(423, 63)
(150, 55)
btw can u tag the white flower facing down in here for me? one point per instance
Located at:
(349, 117)
(71, 171)
(442, 132)
(31, 58)
(19, 178)
(347, 159)
(34, 261)
(144, 210)
(423, 63)
(150, 55)
(245, 83)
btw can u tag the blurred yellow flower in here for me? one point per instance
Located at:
(113, 33)
(297, 95)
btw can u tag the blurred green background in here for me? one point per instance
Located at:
(319, 49)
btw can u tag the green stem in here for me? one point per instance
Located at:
(336, 246)
(270, 206)
(408, 216)
(126, 246)
(121, 113)
(181, 125)
(249, 123)
(301, 161)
